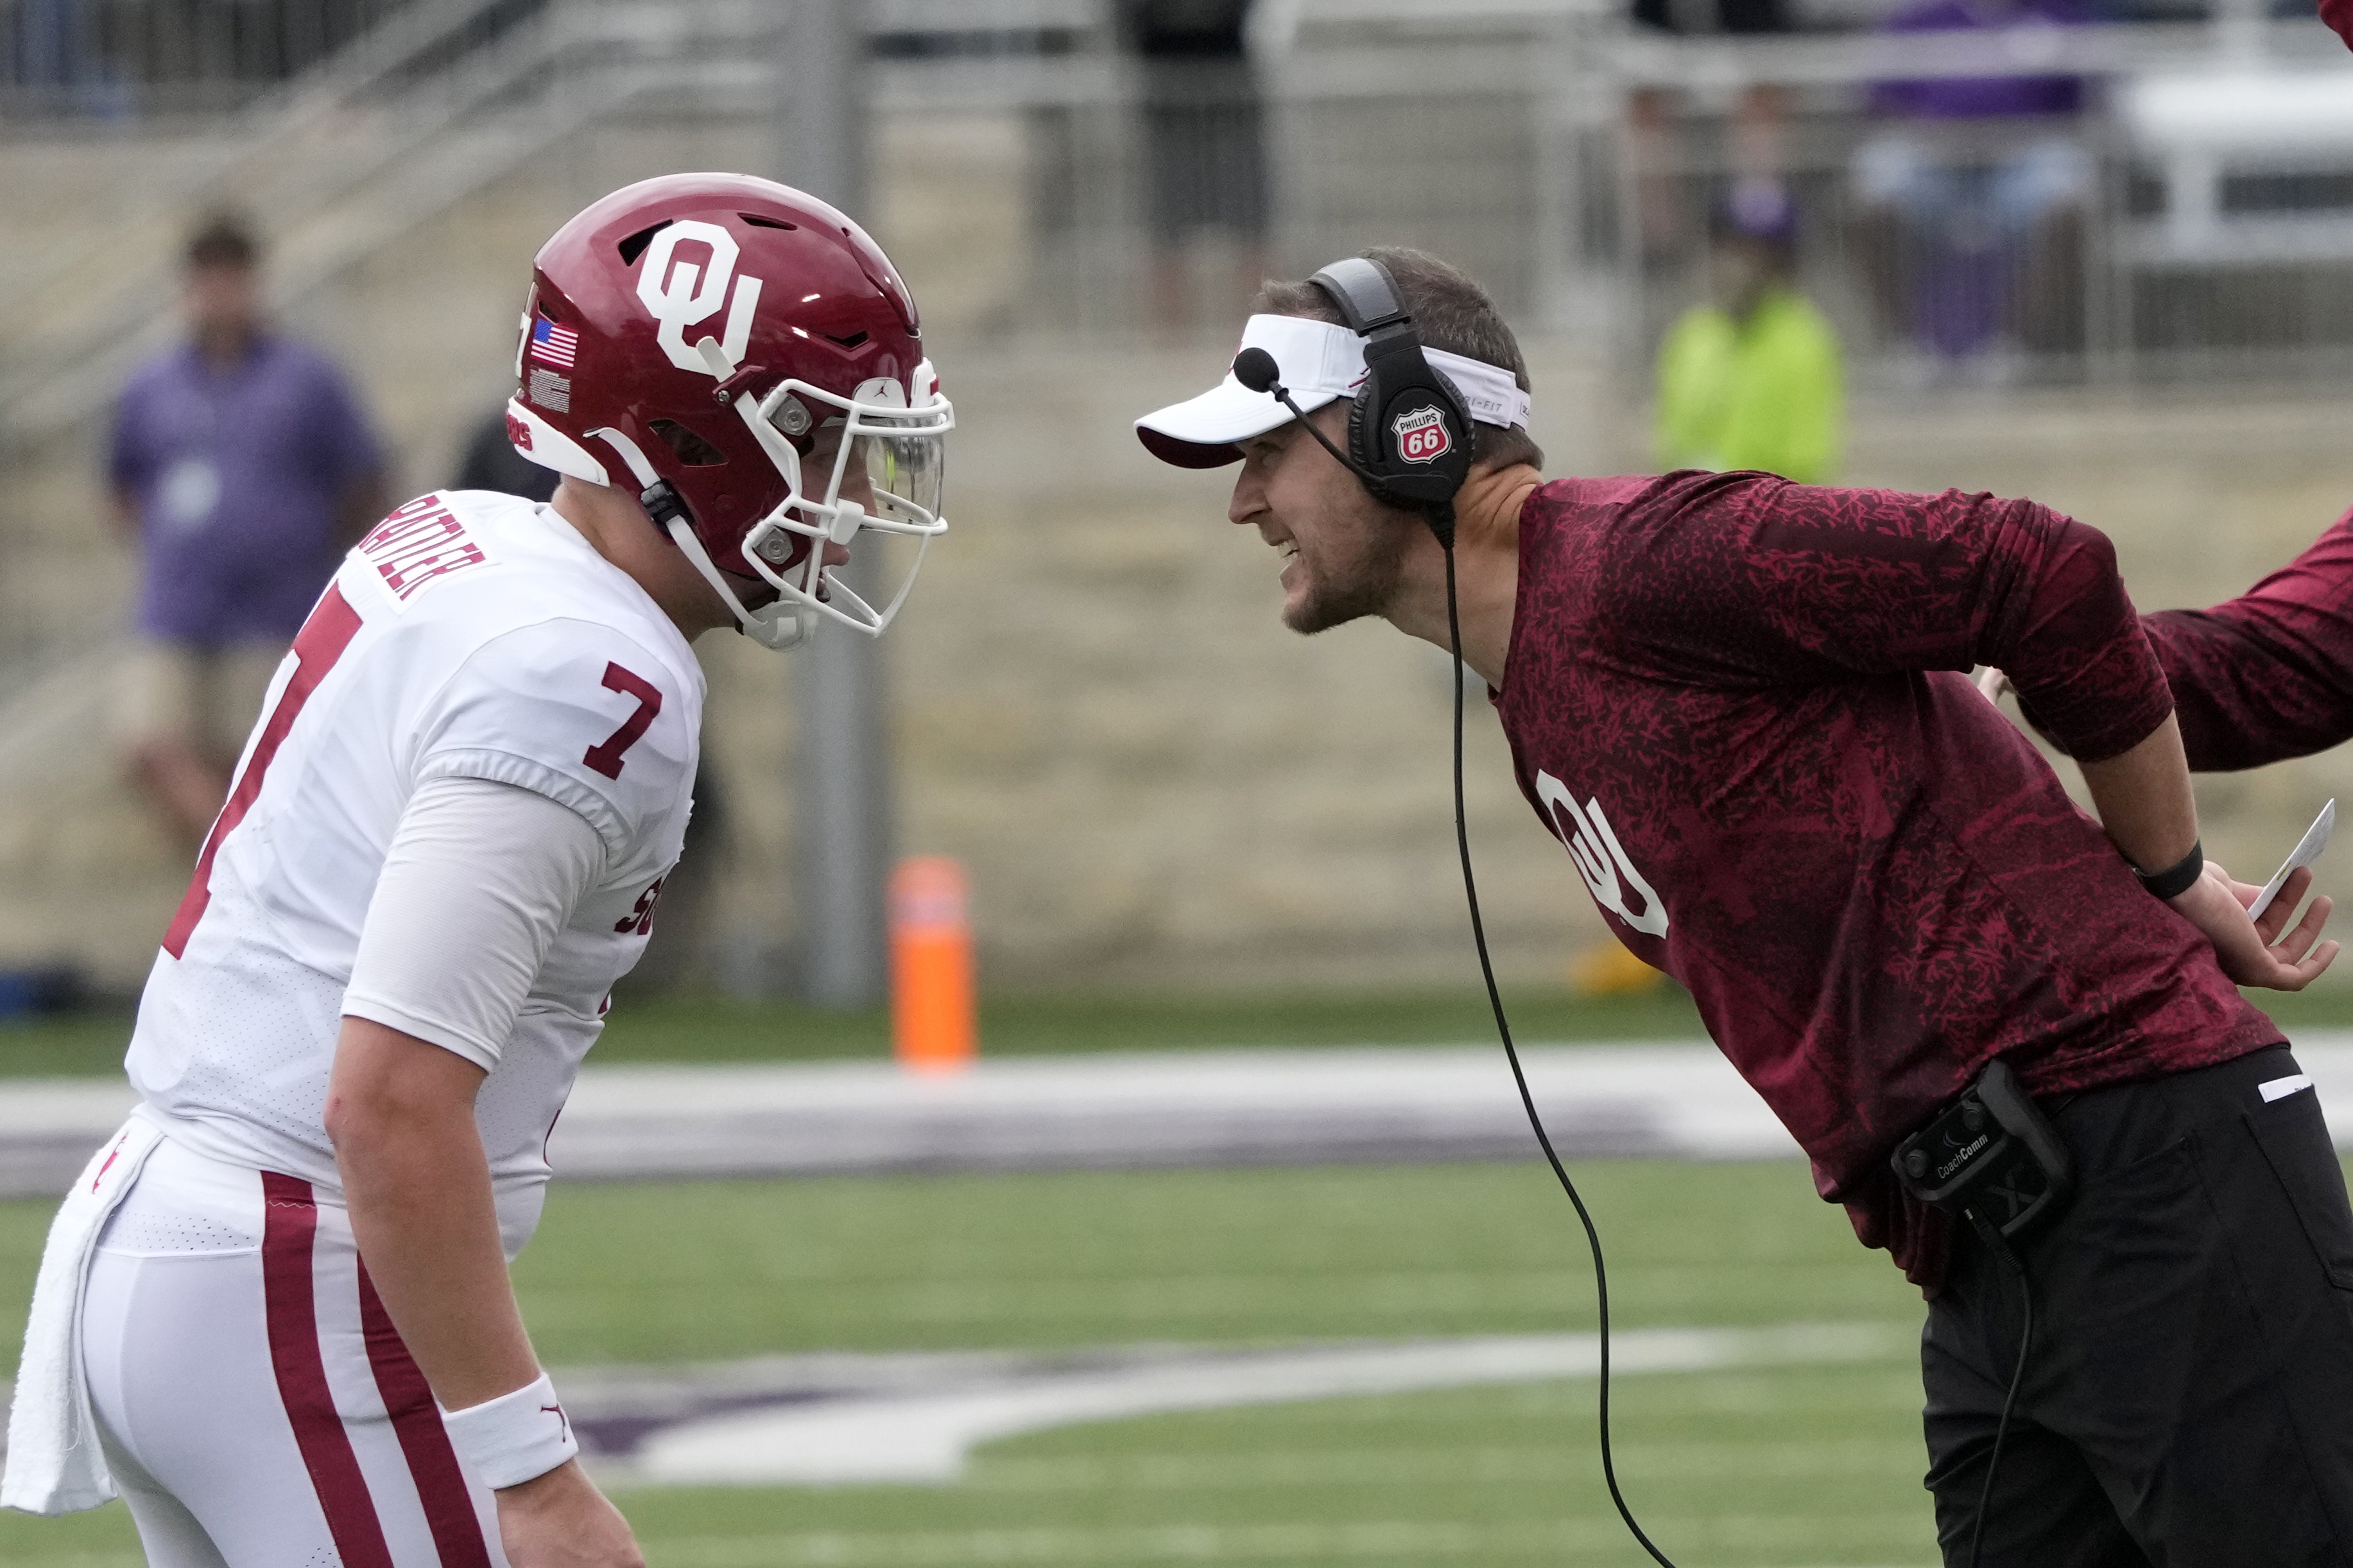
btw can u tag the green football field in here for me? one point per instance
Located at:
(1807, 1465)
(1796, 1466)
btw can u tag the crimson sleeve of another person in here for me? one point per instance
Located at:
(2268, 674)
(2338, 15)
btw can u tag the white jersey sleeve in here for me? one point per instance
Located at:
(480, 879)
(577, 713)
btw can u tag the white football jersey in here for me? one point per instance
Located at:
(470, 636)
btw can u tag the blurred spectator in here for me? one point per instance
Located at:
(1751, 379)
(491, 463)
(1965, 237)
(1758, 130)
(1204, 142)
(242, 468)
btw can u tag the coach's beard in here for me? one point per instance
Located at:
(1360, 582)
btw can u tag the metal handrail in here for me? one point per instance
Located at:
(1840, 60)
(264, 131)
(63, 375)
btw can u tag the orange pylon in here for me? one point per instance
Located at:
(932, 1028)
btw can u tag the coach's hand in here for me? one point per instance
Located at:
(561, 1520)
(2253, 953)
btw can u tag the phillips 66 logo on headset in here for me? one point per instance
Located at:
(1421, 436)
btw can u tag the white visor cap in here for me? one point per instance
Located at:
(1319, 363)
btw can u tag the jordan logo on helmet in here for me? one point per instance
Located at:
(685, 291)
(1421, 434)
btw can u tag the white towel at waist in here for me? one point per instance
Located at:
(54, 1463)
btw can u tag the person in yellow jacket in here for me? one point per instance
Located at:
(1752, 378)
(1749, 380)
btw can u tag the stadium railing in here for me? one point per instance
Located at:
(1563, 158)
(140, 60)
(2193, 220)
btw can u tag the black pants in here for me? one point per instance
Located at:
(2188, 1399)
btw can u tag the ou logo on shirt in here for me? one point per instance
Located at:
(682, 293)
(1600, 859)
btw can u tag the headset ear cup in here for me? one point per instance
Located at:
(1457, 462)
(1364, 432)
(1376, 464)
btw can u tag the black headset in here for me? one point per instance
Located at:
(1408, 428)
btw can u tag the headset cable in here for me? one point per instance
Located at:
(1512, 1053)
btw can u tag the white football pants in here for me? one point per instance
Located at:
(253, 1400)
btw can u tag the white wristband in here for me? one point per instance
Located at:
(513, 1439)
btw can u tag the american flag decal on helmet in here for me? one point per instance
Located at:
(556, 345)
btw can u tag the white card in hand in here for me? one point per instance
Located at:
(2315, 840)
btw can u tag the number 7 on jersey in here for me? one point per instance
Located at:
(606, 756)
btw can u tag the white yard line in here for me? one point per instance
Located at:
(928, 1438)
(837, 1418)
(844, 1419)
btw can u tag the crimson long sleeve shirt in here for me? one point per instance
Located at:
(1742, 705)
(2269, 675)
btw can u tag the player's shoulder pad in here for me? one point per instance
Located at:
(581, 712)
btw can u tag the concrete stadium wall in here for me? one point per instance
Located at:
(1152, 783)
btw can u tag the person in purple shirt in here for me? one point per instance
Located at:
(1972, 243)
(1981, 96)
(1743, 707)
(241, 469)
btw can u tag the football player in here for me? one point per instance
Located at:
(275, 1312)
(1742, 706)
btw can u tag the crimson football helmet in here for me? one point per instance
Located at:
(748, 361)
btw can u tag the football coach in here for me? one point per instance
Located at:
(1743, 706)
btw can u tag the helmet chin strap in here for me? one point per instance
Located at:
(774, 627)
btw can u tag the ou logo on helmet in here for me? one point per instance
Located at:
(684, 291)
(1421, 434)
(1600, 859)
